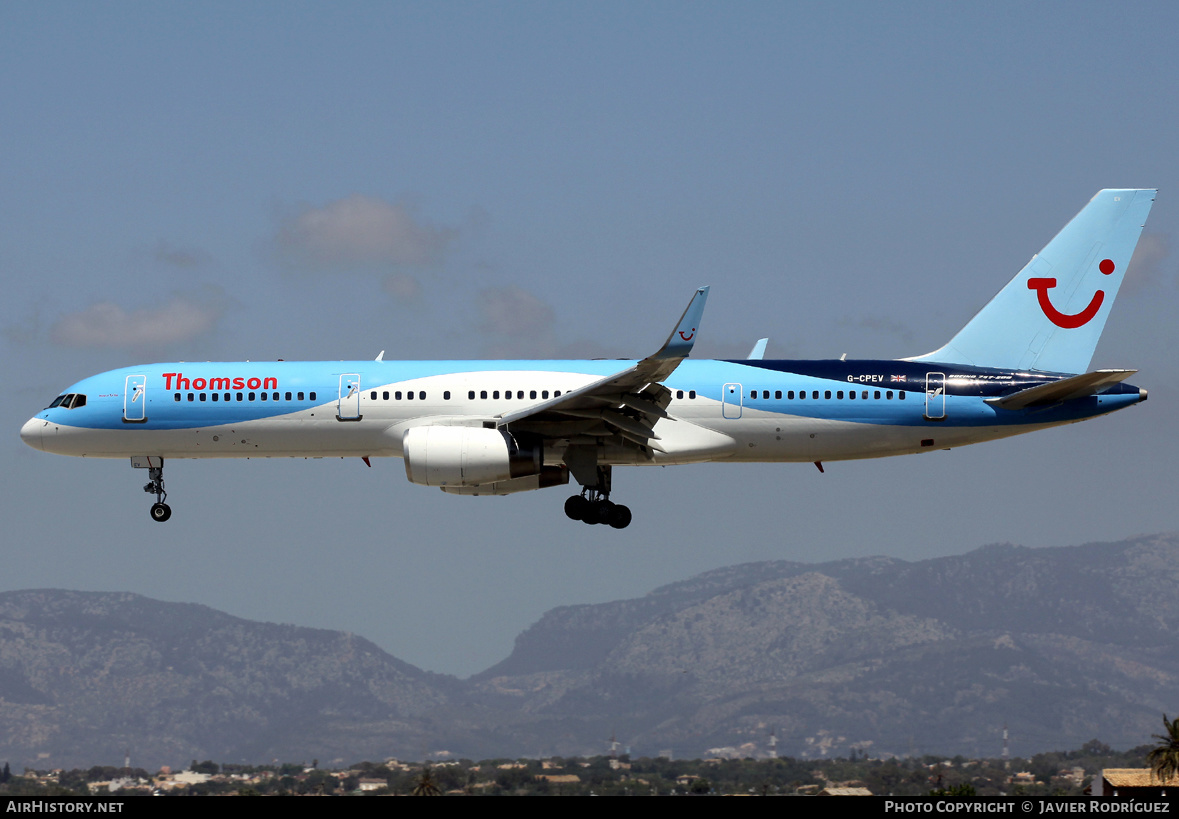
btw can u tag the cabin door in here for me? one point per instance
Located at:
(348, 408)
(135, 399)
(731, 401)
(935, 396)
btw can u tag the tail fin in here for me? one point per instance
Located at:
(1050, 316)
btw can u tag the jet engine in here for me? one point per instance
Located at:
(466, 456)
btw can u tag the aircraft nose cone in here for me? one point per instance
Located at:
(30, 433)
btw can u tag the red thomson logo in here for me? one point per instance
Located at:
(1065, 320)
(183, 383)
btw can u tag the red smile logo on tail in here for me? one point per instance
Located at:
(1069, 322)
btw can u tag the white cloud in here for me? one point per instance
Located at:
(182, 257)
(514, 312)
(361, 231)
(517, 323)
(106, 324)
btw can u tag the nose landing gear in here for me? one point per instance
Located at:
(160, 511)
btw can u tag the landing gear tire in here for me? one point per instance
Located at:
(597, 511)
(620, 516)
(602, 512)
(576, 507)
(160, 512)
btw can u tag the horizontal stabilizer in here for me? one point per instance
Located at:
(1056, 392)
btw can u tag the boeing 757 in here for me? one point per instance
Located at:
(501, 427)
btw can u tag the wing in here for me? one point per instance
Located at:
(626, 404)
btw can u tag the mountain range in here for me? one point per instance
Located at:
(880, 655)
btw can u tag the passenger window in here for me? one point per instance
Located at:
(777, 395)
(827, 394)
(276, 396)
(495, 393)
(556, 393)
(384, 395)
(471, 395)
(888, 395)
(851, 394)
(446, 395)
(191, 397)
(397, 395)
(790, 395)
(177, 396)
(239, 396)
(372, 395)
(289, 396)
(202, 396)
(901, 395)
(691, 393)
(753, 393)
(679, 393)
(421, 396)
(877, 395)
(865, 395)
(519, 393)
(262, 395)
(312, 396)
(815, 395)
(482, 393)
(215, 396)
(532, 393)
(251, 396)
(839, 394)
(544, 393)
(409, 395)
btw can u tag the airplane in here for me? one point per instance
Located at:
(501, 427)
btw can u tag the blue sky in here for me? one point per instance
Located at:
(304, 181)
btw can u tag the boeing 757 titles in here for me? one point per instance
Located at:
(500, 427)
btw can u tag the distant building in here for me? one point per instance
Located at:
(1132, 783)
(845, 792)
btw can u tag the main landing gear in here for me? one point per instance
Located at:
(593, 504)
(594, 509)
(160, 511)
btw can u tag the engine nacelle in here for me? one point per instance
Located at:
(465, 456)
(548, 476)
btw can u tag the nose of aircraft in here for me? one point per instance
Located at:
(30, 433)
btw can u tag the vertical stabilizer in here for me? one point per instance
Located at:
(1050, 316)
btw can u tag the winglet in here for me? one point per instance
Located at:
(679, 343)
(759, 350)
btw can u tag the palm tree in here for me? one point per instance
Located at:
(1164, 760)
(426, 786)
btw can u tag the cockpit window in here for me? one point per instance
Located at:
(71, 400)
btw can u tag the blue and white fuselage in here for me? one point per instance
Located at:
(499, 427)
(747, 411)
